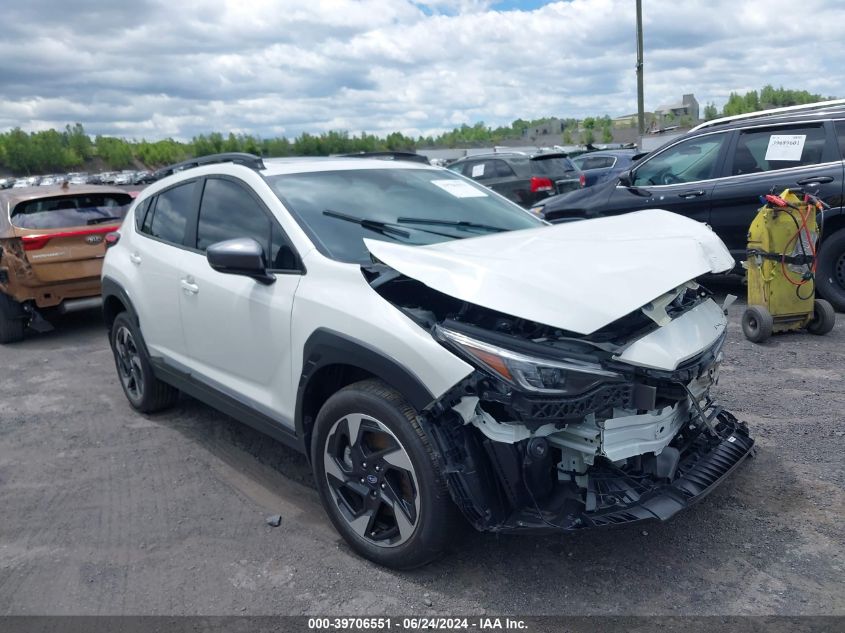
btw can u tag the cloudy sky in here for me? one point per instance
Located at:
(157, 68)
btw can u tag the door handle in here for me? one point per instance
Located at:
(691, 194)
(135, 258)
(189, 287)
(815, 180)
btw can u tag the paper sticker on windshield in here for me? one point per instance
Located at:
(785, 146)
(478, 170)
(459, 188)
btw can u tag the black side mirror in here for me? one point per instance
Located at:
(626, 178)
(240, 256)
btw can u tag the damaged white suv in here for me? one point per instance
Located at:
(433, 348)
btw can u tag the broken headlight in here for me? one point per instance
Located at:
(530, 373)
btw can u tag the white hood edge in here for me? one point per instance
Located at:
(577, 276)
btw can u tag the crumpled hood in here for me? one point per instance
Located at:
(577, 276)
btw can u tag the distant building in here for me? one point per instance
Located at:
(686, 107)
(631, 120)
(550, 126)
(673, 112)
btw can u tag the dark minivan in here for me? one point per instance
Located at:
(717, 172)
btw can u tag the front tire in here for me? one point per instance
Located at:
(830, 278)
(378, 478)
(145, 392)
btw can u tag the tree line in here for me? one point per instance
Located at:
(767, 98)
(53, 150)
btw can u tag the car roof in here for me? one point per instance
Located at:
(9, 198)
(279, 166)
(610, 152)
(775, 117)
(488, 155)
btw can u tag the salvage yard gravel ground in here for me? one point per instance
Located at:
(105, 511)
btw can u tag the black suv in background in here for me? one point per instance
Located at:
(717, 172)
(525, 179)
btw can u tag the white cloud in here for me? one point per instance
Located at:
(154, 69)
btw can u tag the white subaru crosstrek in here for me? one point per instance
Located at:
(433, 348)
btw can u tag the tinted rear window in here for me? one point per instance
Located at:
(60, 212)
(552, 167)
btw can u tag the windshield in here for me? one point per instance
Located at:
(72, 210)
(338, 209)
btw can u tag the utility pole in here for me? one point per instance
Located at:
(640, 106)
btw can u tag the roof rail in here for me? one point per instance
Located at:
(818, 105)
(239, 158)
(388, 155)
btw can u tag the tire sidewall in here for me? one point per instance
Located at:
(420, 548)
(831, 250)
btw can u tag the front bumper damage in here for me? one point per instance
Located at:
(558, 431)
(500, 487)
(642, 446)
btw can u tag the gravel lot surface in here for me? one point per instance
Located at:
(105, 511)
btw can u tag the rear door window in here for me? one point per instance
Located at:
(503, 170)
(481, 170)
(169, 218)
(767, 149)
(60, 212)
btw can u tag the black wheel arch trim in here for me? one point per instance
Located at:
(327, 347)
(111, 288)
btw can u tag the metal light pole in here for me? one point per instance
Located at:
(640, 106)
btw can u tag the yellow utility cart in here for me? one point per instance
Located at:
(781, 269)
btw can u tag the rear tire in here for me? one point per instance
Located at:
(830, 277)
(145, 392)
(379, 479)
(824, 317)
(12, 320)
(757, 323)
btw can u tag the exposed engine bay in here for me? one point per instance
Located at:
(558, 430)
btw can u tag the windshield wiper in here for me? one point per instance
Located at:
(457, 223)
(385, 228)
(103, 220)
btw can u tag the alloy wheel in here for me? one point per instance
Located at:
(129, 363)
(371, 480)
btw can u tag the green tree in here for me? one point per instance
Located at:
(78, 141)
(115, 152)
(710, 112)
